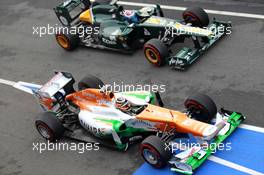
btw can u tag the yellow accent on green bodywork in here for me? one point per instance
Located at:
(87, 16)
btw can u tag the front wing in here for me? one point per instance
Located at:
(190, 164)
(186, 56)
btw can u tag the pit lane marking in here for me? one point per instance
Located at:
(234, 165)
(7, 82)
(252, 128)
(224, 162)
(178, 8)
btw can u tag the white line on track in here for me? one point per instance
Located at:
(252, 128)
(234, 165)
(7, 82)
(225, 162)
(217, 12)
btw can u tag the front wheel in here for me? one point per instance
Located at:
(156, 52)
(154, 151)
(201, 107)
(196, 16)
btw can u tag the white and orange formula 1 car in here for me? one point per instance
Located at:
(95, 114)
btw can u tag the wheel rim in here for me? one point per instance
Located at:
(150, 156)
(44, 131)
(200, 113)
(62, 40)
(190, 18)
(193, 105)
(152, 56)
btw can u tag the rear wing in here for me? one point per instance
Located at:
(68, 11)
(51, 95)
(62, 80)
(56, 83)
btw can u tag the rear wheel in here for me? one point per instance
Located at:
(156, 52)
(196, 16)
(67, 41)
(201, 106)
(154, 151)
(49, 126)
(90, 81)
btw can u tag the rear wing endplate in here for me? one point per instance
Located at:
(70, 10)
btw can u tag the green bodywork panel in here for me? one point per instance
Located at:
(103, 12)
(127, 132)
(186, 56)
(142, 95)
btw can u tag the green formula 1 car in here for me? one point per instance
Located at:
(110, 26)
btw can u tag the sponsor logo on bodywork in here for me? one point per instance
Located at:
(107, 41)
(95, 130)
(141, 124)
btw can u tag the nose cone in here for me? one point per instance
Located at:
(190, 30)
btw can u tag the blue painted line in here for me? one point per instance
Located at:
(213, 168)
(209, 167)
(147, 169)
(247, 150)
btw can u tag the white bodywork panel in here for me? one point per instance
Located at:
(92, 120)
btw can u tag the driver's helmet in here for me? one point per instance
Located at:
(123, 104)
(130, 16)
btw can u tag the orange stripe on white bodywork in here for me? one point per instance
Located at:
(164, 119)
(167, 119)
(89, 97)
